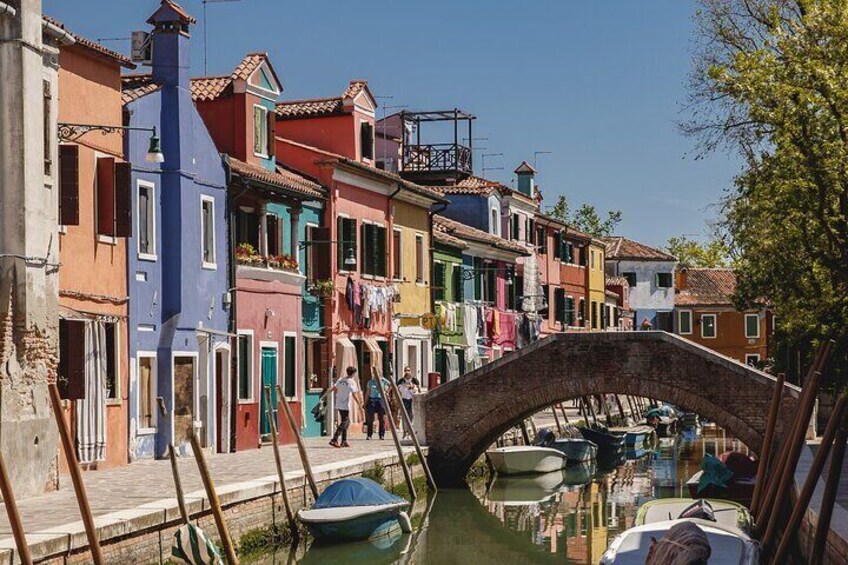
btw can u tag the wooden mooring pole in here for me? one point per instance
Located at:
(564, 415)
(13, 514)
(834, 472)
(301, 448)
(76, 476)
(556, 420)
(403, 464)
(768, 444)
(275, 445)
(175, 471)
(407, 424)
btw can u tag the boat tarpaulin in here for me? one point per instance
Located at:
(715, 473)
(356, 491)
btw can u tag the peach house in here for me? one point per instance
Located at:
(94, 202)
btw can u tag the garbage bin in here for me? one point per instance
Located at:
(433, 380)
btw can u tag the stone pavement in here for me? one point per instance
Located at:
(143, 482)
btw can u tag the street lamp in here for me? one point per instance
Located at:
(350, 254)
(72, 132)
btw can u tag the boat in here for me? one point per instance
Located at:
(607, 441)
(728, 544)
(354, 509)
(663, 419)
(731, 476)
(526, 489)
(636, 436)
(526, 459)
(725, 512)
(576, 450)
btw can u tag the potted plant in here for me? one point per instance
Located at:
(246, 254)
(322, 288)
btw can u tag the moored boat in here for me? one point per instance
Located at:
(354, 509)
(576, 450)
(724, 512)
(636, 436)
(525, 459)
(663, 419)
(731, 476)
(608, 442)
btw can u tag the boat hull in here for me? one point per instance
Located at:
(370, 523)
(607, 442)
(577, 450)
(738, 490)
(525, 460)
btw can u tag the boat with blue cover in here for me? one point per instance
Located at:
(636, 436)
(355, 509)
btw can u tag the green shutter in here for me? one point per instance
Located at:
(439, 286)
(381, 251)
(290, 366)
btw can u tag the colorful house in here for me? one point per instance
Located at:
(649, 273)
(705, 314)
(179, 339)
(596, 285)
(94, 219)
(453, 351)
(265, 205)
(618, 290)
(374, 218)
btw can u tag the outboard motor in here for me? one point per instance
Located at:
(544, 438)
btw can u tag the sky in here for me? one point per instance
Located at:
(600, 85)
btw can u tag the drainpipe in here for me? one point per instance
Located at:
(6, 10)
(231, 288)
(430, 215)
(389, 233)
(58, 34)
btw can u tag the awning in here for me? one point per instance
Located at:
(71, 314)
(345, 355)
(376, 354)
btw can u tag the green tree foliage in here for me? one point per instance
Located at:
(586, 218)
(771, 82)
(691, 253)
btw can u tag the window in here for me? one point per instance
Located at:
(113, 198)
(397, 254)
(113, 382)
(146, 220)
(494, 224)
(594, 315)
(708, 325)
(366, 138)
(346, 235)
(419, 258)
(684, 322)
(664, 321)
(490, 283)
(516, 290)
(630, 278)
(458, 290)
(542, 240)
(530, 230)
(146, 391)
(570, 314)
(557, 245)
(71, 378)
(603, 308)
(245, 365)
(439, 280)
(559, 305)
(273, 245)
(752, 359)
(752, 326)
(260, 131)
(568, 253)
(373, 250)
(247, 228)
(514, 227)
(581, 313)
(207, 231)
(49, 134)
(592, 258)
(290, 367)
(69, 185)
(664, 280)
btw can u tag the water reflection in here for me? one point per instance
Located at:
(568, 516)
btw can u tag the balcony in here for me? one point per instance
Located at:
(435, 163)
(280, 268)
(437, 158)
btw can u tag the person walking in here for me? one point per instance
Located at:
(408, 386)
(345, 389)
(375, 405)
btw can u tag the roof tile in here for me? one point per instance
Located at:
(313, 107)
(135, 86)
(204, 89)
(623, 248)
(281, 178)
(461, 231)
(706, 287)
(98, 48)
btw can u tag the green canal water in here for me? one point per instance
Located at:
(557, 518)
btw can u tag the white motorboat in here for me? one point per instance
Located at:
(728, 544)
(525, 459)
(725, 512)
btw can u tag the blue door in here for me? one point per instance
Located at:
(269, 378)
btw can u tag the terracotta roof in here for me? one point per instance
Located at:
(204, 89)
(135, 86)
(441, 235)
(622, 248)
(184, 16)
(617, 281)
(706, 287)
(480, 186)
(281, 178)
(98, 48)
(464, 232)
(419, 189)
(313, 107)
(524, 167)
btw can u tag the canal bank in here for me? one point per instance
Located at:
(136, 513)
(836, 550)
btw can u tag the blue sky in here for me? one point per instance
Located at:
(599, 84)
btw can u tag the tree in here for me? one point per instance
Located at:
(771, 82)
(586, 218)
(691, 253)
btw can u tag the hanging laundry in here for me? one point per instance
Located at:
(349, 293)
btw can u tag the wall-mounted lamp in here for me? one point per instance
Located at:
(72, 132)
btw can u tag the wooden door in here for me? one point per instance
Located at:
(184, 371)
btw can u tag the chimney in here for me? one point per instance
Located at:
(526, 178)
(682, 278)
(170, 38)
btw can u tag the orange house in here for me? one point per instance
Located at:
(94, 212)
(705, 314)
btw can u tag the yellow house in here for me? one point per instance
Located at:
(411, 272)
(596, 286)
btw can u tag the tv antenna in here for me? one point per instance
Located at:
(483, 162)
(536, 156)
(205, 35)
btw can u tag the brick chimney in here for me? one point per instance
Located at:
(682, 281)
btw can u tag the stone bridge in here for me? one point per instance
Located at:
(461, 419)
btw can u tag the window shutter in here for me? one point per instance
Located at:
(557, 245)
(106, 196)
(123, 199)
(439, 282)
(341, 245)
(271, 116)
(531, 231)
(69, 185)
(368, 250)
(72, 359)
(351, 238)
(381, 251)
(458, 290)
(320, 253)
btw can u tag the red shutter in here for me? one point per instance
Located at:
(69, 185)
(272, 130)
(106, 196)
(320, 253)
(123, 199)
(72, 359)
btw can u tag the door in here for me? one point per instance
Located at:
(269, 378)
(222, 404)
(184, 370)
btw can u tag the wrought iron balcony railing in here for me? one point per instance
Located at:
(437, 157)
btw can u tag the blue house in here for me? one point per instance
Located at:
(178, 257)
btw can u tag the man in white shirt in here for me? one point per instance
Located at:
(408, 386)
(346, 388)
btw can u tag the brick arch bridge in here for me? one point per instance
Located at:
(462, 418)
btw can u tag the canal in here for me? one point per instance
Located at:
(565, 517)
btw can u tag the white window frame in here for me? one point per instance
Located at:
(715, 326)
(282, 363)
(154, 379)
(209, 265)
(264, 130)
(757, 316)
(399, 269)
(750, 356)
(151, 255)
(494, 218)
(680, 324)
(251, 367)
